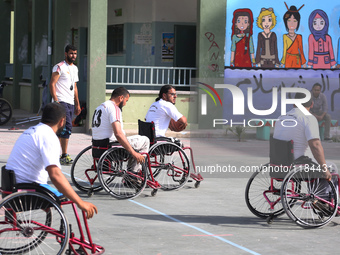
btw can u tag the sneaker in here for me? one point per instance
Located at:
(66, 160)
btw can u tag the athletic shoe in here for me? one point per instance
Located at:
(66, 160)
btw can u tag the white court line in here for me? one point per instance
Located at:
(199, 229)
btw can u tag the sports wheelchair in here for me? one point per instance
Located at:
(169, 162)
(104, 165)
(32, 221)
(295, 187)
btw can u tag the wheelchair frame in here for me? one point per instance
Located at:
(298, 191)
(21, 208)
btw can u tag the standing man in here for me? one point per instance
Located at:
(320, 109)
(63, 88)
(163, 110)
(107, 127)
(35, 157)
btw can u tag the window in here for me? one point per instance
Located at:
(115, 39)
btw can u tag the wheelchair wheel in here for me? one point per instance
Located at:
(84, 172)
(27, 225)
(170, 165)
(315, 203)
(263, 194)
(115, 177)
(5, 111)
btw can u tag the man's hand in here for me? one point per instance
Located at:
(88, 208)
(77, 110)
(139, 158)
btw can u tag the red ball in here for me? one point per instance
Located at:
(176, 126)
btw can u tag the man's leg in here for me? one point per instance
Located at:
(327, 119)
(65, 158)
(140, 144)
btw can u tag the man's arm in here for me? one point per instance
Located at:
(63, 186)
(54, 78)
(121, 138)
(183, 121)
(319, 155)
(77, 109)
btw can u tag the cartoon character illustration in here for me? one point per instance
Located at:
(338, 63)
(266, 53)
(242, 48)
(293, 56)
(321, 53)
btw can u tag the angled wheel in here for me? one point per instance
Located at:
(84, 172)
(32, 223)
(170, 165)
(5, 111)
(263, 194)
(115, 177)
(315, 202)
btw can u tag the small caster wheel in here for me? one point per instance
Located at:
(197, 184)
(270, 219)
(154, 192)
(90, 193)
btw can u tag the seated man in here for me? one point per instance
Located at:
(35, 157)
(163, 110)
(305, 136)
(320, 109)
(107, 127)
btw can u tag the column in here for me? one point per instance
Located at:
(5, 27)
(96, 56)
(211, 22)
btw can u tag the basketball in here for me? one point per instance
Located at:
(176, 126)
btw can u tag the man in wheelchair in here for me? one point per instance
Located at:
(164, 110)
(304, 131)
(35, 157)
(107, 128)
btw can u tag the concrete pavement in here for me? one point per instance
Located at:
(212, 219)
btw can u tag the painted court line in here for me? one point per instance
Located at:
(196, 228)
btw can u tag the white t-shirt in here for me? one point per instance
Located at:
(306, 129)
(37, 148)
(68, 77)
(161, 112)
(103, 117)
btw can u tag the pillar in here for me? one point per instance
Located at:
(5, 27)
(211, 20)
(96, 56)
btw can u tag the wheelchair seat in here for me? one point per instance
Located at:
(100, 146)
(281, 157)
(9, 185)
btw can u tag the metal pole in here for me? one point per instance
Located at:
(49, 47)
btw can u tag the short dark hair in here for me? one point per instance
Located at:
(53, 113)
(121, 91)
(163, 90)
(292, 11)
(70, 47)
(300, 95)
(317, 85)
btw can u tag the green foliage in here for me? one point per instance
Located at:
(239, 131)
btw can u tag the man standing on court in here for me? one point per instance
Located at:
(107, 127)
(163, 110)
(63, 88)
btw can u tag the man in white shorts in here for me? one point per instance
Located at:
(35, 157)
(63, 88)
(304, 131)
(163, 110)
(107, 127)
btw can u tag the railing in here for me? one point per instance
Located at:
(149, 75)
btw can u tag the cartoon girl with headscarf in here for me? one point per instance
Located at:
(266, 53)
(293, 56)
(321, 53)
(242, 47)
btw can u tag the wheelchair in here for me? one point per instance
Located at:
(32, 221)
(295, 187)
(169, 162)
(104, 165)
(5, 107)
